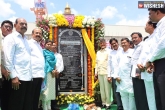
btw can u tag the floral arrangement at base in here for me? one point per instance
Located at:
(97, 94)
(80, 99)
(91, 107)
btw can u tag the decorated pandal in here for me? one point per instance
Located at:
(77, 39)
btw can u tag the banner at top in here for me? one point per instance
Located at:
(39, 3)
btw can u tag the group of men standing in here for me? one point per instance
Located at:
(22, 66)
(135, 74)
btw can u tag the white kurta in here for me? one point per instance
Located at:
(148, 77)
(124, 72)
(113, 62)
(125, 87)
(146, 50)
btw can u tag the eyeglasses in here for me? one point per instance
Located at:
(8, 27)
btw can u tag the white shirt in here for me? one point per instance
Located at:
(159, 49)
(148, 46)
(102, 62)
(124, 70)
(59, 63)
(17, 56)
(135, 57)
(113, 62)
(1, 53)
(37, 59)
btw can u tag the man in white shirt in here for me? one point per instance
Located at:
(18, 63)
(6, 28)
(101, 71)
(123, 79)
(138, 83)
(112, 76)
(38, 63)
(58, 70)
(148, 78)
(157, 57)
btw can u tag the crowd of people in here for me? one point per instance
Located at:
(28, 71)
(135, 73)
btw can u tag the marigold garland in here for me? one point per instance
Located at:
(74, 98)
(78, 21)
(61, 20)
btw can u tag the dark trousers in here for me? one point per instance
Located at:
(36, 87)
(6, 86)
(0, 90)
(21, 99)
(116, 94)
(140, 94)
(159, 83)
(54, 102)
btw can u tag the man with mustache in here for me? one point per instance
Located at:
(148, 78)
(6, 28)
(18, 63)
(138, 83)
(38, 63)
(156, 60)
(114, 65)
(123, 79)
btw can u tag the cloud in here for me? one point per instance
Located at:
(52, 5)
(13, 18)
(60, 12)
(25, 4)
(5, 9)
(140, 21)
(73, 11)
(108, 12)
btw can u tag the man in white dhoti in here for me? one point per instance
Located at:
(124, 80)
(148, 78)
(101, 71)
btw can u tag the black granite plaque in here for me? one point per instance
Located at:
(70, 46)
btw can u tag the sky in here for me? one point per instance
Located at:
(112, 12)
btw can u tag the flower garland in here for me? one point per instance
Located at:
(89, 21)
(74, 98)
(70, 19)
(78, 21)
(43, 24)
(60, 20)
(99, 32)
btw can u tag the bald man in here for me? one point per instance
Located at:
(38, 63)
(18, 63)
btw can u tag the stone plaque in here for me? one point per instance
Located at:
(70, 46)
